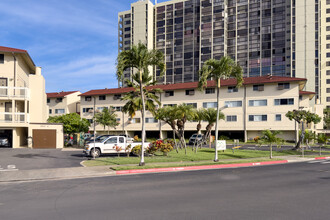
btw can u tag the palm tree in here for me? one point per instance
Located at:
(106, 118)
(321, 140)
(183, 114)
(210, 115)
(270, 137)
(199, 116)
(140, 59)
(219, 69)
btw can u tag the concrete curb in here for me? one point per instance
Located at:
(321, 158)
(204, 167)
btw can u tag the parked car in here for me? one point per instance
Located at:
(195, 137)
(87, 135)
(4, 141)
(107, 146)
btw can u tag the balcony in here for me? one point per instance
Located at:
(14, 92)
(17, 117)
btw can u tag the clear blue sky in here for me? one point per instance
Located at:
(74, 41)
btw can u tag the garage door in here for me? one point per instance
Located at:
(44, 138)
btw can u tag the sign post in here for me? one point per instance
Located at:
(221, 144)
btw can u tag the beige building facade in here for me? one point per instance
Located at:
(60, 103)
(22, 101)
(261, 103)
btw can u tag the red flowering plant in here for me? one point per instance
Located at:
(154, 146)
(118, 149)
(128, 149)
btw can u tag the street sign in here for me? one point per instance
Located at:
(221, 145)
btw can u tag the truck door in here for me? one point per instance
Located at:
(121, 143)
(109, 144)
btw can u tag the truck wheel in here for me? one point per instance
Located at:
(95, 154)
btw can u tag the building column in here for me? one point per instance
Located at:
(12, 110)
(25, 111)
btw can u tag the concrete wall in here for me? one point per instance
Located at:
(38, 106)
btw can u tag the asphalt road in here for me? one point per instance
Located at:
(290, 191)
(28, 159)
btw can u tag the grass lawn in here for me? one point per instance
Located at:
(204, 154)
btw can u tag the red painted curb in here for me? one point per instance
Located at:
(321, 158)
(171, 169)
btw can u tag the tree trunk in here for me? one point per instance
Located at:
(271, 151)
(320, 149)
(142, 163)
(301, 137)
(176, 146)
(216, 123)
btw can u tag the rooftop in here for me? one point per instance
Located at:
(59, 94)
(194, 85)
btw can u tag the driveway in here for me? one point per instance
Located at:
(28, 159)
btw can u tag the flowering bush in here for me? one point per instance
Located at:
(164, 146)
(136, 138)
(154, 146)
(128, 149)
(256, 139)
(137, 150)
(118, 149)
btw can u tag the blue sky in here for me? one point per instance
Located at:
(74, 41)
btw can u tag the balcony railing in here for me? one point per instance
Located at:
(17, 117)
(14, 92)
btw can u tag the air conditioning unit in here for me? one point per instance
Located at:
(88, 99)
(167, 94)
(192, 92)
(115, 98)
(280, 87)
(260, 88)
(230, 91)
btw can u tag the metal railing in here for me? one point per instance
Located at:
(14, 92)
(17, 117)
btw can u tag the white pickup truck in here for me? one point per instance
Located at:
(108, 146)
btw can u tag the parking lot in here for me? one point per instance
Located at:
(28, 159)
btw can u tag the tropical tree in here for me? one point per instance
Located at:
(107, 118)
(321, 140)
(210, 115)
(199, 116)
(216, 70)
(183, 113)
(167, 114)
(140, 59)
(270, 137)
(326, 118)
(309, 137)
(301, 117)
(72, 123)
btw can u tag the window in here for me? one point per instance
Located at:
(328, 99)
(328, 81)
(190, 92)
(151, 120)
(278, 117)
(102, 97)
(59, 111)
(194, 105)
(231, 104)
(262, 102)
(257, 117)
(231, 118)
(118, 108)
(48, 100)
(209, 90)
(232, 89)
(59, 100)
(170, 105)
(258, 87)
(112, 140)
(283, 86)
(283, 101)
(87, 109)
(90, 121)
(88, 98)
(2, 58)
(134, 120)
(210, 104)
(100, 109)
(169, 93)
(116, 96)
(121, 140)
(50, 111)
(118, 120)
(328, 90)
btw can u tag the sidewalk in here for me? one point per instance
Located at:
(98, 171)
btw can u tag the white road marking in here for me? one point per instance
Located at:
(11, 167)
(325, 162)
(316, 161)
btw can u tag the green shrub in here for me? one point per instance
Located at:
(137, 150)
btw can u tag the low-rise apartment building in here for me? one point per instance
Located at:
(261, 103)
(23, 108)
(60, 103)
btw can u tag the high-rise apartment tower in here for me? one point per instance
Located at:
(277, 37)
